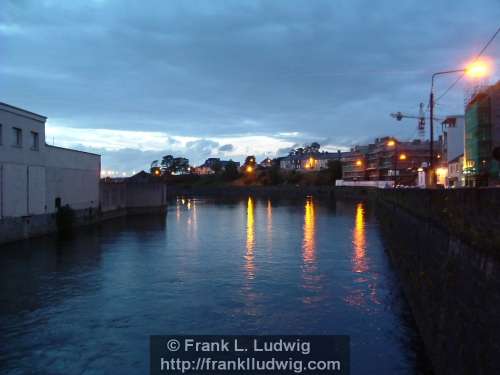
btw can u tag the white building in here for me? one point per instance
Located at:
(453, 137)
(36, 178)
(309, 162)
(455, 172)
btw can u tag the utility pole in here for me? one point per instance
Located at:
(431, 123)
(431, 126)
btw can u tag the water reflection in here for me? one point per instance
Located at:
(188, 207)
(359, 240)
(311, 278)
(250, 244)
(269, 220)
(364, 291)
(309, 233)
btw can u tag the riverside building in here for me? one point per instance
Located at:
(36, 179)
(482, 138)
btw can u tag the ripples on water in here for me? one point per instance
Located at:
(88, 305)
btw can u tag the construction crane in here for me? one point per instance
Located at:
(420, 117)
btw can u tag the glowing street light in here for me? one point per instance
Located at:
(359, 163)
(249, 169)
(391, 143)
(477, 69)
(402, 157)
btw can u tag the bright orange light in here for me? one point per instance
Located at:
(402, 157)
(359, 163)
(391, 143)
(157, 172)
(442, 171)
(359, 240)
(478, 69)
(309, 233)
(249, 256)
(249, 169)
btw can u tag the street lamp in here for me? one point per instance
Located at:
(474, 70)
(392, 143)
(478, 69)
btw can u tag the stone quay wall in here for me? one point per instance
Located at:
(445, 247)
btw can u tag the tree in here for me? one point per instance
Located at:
(249, 165)
(231, 171)
(170, 165)
(275, 175)
(180, 165)
(314, 147)
(216, 166)
(250, 160)
(153, 168)
(334, 168)
(167, 163)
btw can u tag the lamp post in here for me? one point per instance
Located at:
(475, 70)
(431, 120)
(393, 143)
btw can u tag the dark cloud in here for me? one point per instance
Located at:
(202, 148)
(332, 69)
(226, 148)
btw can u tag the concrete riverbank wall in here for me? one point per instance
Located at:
(445, 247)
(23, 227)
(131, 198)
(115, 200)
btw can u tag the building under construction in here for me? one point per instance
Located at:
(388, 159)
(482, 138)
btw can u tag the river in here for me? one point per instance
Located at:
(87, 305)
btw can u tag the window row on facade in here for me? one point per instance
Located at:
(17, 138)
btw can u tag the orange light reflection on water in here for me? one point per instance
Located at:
(250, 243)
(309, 233)
(311, 278)
(359, 240)
(364, 292)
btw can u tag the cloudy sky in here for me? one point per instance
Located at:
(134, 80)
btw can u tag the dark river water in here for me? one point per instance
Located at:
(87, 305)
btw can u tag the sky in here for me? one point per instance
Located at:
(136, 80)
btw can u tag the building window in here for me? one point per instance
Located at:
(34, 141)
(18, 137)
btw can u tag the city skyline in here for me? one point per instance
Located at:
(200, 79)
